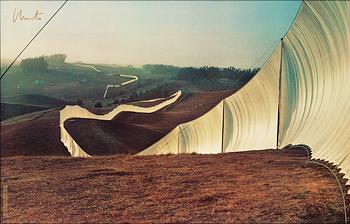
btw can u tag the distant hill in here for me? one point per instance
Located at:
(66, 82)
(23, 104)
(34, 100)
(9, 110)
(24, 135)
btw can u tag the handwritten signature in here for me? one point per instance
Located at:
(18, 16)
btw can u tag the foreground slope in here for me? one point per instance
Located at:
(257, 186)
(35, 134)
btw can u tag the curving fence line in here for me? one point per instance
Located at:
(89, 66)
(134, 78)
(301, 95)
(78, 112)
(315, 88)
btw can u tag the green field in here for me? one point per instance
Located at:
(65, 83)
(33, 99)
(69, 83)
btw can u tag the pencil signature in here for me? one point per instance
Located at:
(19, 16)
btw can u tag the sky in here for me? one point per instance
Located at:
(182, 33)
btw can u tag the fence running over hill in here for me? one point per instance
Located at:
(300, 95)
(134, 79)
(78, 112)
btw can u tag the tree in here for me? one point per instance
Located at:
(37, 64)
(214, 78)
(56, 58)
(161, 69)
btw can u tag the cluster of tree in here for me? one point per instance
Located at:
(213, 78)
(36, 64)
(161, 69)
(212, 73)
(237, 73)
(126, 70)
(56, 58)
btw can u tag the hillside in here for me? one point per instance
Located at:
(24, 104)
(247, 187)
(132, 132)
(21, 135)
(34, 99)
(67, 82)
(9, 110)
(32, 134)
(257, 186)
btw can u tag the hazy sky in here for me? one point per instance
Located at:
(179, 33)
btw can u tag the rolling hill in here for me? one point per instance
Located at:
(247, 187)
(28, 103)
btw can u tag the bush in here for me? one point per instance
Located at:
(98, 105)
(133, 96)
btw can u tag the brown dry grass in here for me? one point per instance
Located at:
(248, 187)
(25, 137)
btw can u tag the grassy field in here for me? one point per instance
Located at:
(43, 184)
(34, 99)
(70, 82)
(9, 110)
(31, 134)
(67, 82)
(23, 104)
(248, 187)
